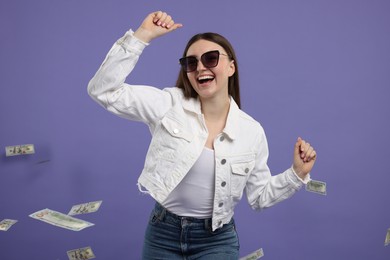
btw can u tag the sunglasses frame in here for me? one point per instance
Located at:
(184, 61)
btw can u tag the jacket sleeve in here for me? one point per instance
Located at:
(133, 102)
(264, 190)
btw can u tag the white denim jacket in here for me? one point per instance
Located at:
(179, 134)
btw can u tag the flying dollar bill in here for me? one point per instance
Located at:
(316, 186)
(254, 256)
(85, 208)
(387, 239)
(60, 220)
(19, 149)
(81, 254)
(5, 224)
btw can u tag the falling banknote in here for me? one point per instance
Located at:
(316, 186)
(5, 224)
(60, 220)
(387, 239)
(254, 256)
(81, 254)
(85, 208)
(19, 149)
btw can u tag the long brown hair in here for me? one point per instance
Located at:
(233, 84)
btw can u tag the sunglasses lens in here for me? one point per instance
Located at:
(189, 63)
(210, 59)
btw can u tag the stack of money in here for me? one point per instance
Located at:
(387, 239)
(85, 208)
(254, 256)
(316, 186)
(6, 224)
(19, 149)
(60, 220)
(81, 254)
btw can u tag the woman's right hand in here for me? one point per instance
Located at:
(156, 24)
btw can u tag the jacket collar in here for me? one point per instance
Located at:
(231, 128)
(232, 121)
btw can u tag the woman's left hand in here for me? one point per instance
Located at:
(304, 158)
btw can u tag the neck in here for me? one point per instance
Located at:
(215, 109)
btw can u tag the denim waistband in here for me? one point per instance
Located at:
(162, 213)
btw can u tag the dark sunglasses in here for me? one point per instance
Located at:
(209, 60)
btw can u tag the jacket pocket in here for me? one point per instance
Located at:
(176, 129)
(240, 173)
(171, 140)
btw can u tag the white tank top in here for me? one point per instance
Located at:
(194, 195)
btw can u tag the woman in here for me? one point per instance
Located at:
(204, 152)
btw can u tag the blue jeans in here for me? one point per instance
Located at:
(170, 237)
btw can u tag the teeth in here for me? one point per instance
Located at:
(205, 77)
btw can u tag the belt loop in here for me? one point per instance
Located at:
(162, 213)
(207, 224)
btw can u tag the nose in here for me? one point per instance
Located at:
(200, 66)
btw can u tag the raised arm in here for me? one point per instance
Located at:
(108, 87)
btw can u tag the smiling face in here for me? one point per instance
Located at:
(210, 83)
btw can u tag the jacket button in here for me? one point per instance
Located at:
(220, 204)
(246, 170)
(175, 131)
(221, 138)
(223, 184)
(223, 161)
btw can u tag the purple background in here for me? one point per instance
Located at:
(310, 68)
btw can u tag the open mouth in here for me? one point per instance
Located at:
(205, 79)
